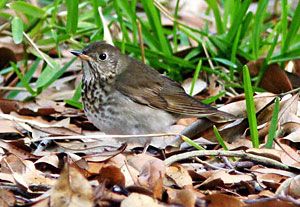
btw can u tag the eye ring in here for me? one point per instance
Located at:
(103, 56)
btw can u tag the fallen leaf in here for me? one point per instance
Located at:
(179, 175)
(225, 178)
(183, 197)
(111, 175)
(71, 189)
(137, 200)
(7, 198)
(217, 200)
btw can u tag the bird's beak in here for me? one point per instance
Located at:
(81, 55)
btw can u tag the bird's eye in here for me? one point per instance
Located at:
(103, 56)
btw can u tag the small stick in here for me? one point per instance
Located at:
(242, 154)
(105, 136)
(11, 88)
(141, 40)
(38, 50)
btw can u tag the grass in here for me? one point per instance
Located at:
(241, 36)
(219, 138)
(273, 125)
(250, 105)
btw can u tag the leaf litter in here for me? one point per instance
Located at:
(82, 166)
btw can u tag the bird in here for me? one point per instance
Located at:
(123, 96)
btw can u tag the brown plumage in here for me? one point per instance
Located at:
(131, 97)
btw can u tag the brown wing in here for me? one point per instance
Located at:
(147, 86)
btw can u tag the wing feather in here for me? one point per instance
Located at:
(147, 86)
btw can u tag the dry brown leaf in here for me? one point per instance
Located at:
(238, 108)
(71, 189)
(290, 157)
(94, 167)
(24, 174)
(25, 108)
(265, 170)
(225, 178)
(7, 198)
(272, 181)
(294, 188)
(151, 177)
(199, 86)
(13, 162)
(7, 126)
(111, 175)
(217, 200)
(49, 159)
(274, 80)
(7, 56)
(179, 176)
(42, 203)
(13, 149)
(151, 172)
(137, 200)
(184, 197)
(292, 131)
(271, 203)
(269, 153)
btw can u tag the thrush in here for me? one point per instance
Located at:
(122, 95)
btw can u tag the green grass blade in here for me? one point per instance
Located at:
(258, 23)
(213, 98)
(284, 23)
(154, 20)
(238, 19)
(264, 66)
(251, 113)
(131, 15)
(245, 25)
(49, 75)
(293, 29)
(225, 62)
(228, 5)
(291, 55)
(158, 55)
(273, 126)
(219, 138)
(72, 16)
(27, 77)
(191, 143)
(22, 79)
(234, 51)
(2, 3)
(17, 30)
(175, 27)
(97, 19)
(196, 75)
(214, 6)
(74, 101)
(26, 8)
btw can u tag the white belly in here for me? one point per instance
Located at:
(125, 116)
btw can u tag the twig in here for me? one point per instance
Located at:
(207, 164)
(11, 88)
(242, 154)
(38, 50)
(165, 11)
(291, 91)
(141, 40)
(106, 136)
(207, 55)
